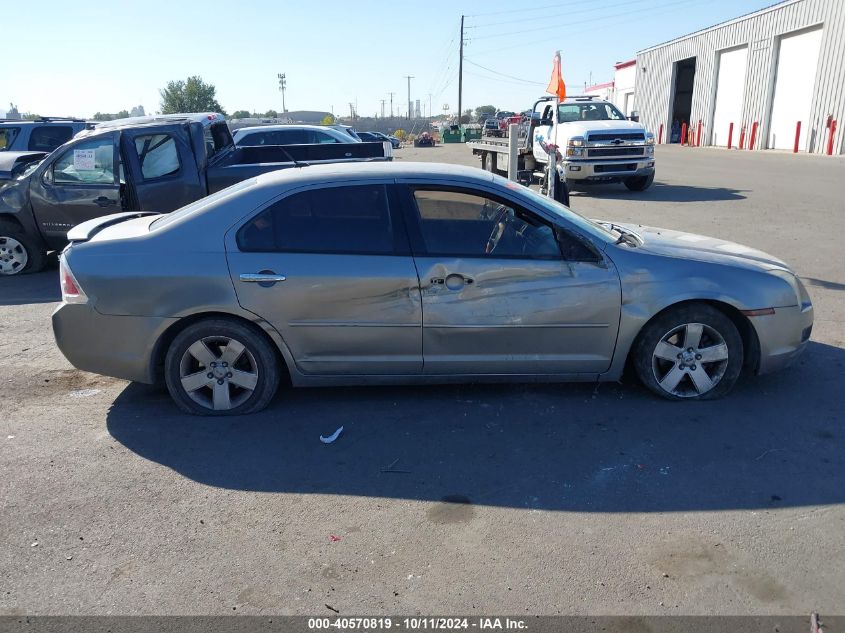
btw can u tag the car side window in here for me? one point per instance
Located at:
(459, 224)
(157, 155)
(89, 162)
(49, 137)
(353, 220)
(7, 137)
(322, 137)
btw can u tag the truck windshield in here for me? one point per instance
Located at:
(568, 112)
(7, 137)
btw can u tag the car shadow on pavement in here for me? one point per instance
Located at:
(776, 441)
(23, 289)
(823, 283)
(662, 192)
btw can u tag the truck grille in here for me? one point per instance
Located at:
(611, 136)
(614, 151)
(599, 169)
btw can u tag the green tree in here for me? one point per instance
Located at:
(467, 116)
(485, 109)
(271, 114)
(30, 117)
(240, 114)
(103, 116)
(122, 114)
(191, 95)
(327, 120)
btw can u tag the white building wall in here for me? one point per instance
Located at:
(761, 32)
(623, 97)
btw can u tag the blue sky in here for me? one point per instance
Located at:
(79, 58)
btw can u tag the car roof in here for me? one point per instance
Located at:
(282, 126)
(206, 118)
(371, 170)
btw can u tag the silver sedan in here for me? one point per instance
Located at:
(409, 273)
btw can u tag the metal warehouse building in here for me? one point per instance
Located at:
(775, 77)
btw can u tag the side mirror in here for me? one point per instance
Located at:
(635, 116)
(546, 122)
(575, 248)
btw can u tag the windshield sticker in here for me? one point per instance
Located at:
(83, 159)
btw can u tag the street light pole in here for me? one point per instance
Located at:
(410, 110)
(282, 85)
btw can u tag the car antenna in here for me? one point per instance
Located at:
(295, 162)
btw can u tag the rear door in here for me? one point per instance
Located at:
(160, 168)
(79, 184)
(330, 268)
(505, 292)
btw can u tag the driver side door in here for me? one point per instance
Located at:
(498, 295)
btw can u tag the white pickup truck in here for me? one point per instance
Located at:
(596, 143)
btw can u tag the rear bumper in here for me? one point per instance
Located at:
(584, 170)
(118, 346)
(783, 337)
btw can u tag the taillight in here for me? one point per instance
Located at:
(71, 291)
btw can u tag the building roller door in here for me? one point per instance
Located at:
(730, 91)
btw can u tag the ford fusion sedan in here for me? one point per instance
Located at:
(354, 274)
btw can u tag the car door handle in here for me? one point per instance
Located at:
(102, 201)
(451, 280)
(265, 278)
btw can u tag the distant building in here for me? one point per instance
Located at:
(602, 91)
(13, 113)
(306, 116)
(774, 75)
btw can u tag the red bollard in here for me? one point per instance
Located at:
(830, 137)
(698, 135)
(797, 137)
(660, 135)
(683, 133)
(753, 135)
(742, 137)
(730, 134)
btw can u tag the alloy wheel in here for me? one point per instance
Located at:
(218, 373)
(690, 360)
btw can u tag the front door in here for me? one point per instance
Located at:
(78, 185)
(498, 295)
(331, 270)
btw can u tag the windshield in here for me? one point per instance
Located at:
(7, 137)
(588, 111)
(588, 226)
(201, 204)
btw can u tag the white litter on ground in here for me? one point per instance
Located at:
(84, 393)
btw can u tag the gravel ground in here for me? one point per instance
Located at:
(539, 499)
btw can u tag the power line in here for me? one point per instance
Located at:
(521, 10)
(496, 72)
(533, 44)
(603, 7)
(569, 24)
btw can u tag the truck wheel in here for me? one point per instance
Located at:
(490, 162)
(640, 183)
(18, 252)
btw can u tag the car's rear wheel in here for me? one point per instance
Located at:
(221, 367)
(639, 183)
(18, 253)
(693, 352)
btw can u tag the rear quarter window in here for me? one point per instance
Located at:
(157, 155)
(49, 137)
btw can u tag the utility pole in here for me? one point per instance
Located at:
(283, 83)
(391, 103)
(352, 112)
(382, 108)
(461, 73)
(429, 105)
(410, 107)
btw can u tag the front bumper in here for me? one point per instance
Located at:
(783, 336)
(603, 171)
(118, 346)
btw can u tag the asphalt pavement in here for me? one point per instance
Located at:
(519, 499)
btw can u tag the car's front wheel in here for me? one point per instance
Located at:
(221, 367)
(18, 252)
(639, 183)
(693, 352)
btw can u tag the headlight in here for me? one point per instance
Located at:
(574, 151)
(649, 149)
(576, 141)
(649, 139)
(803, 295)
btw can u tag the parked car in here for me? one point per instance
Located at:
(378, 136)
(289, 135)
(395, 142)
(424, 140)
(157, 163)
(347, 129)
(39, 135)
(385, 273)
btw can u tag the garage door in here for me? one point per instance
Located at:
(730, 89)
(796, 76)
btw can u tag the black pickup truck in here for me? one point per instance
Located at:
(156, 163)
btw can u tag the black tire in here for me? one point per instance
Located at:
(661, 365)
(640, 183)
(257, 352)
(490, 160)
(15, 246)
